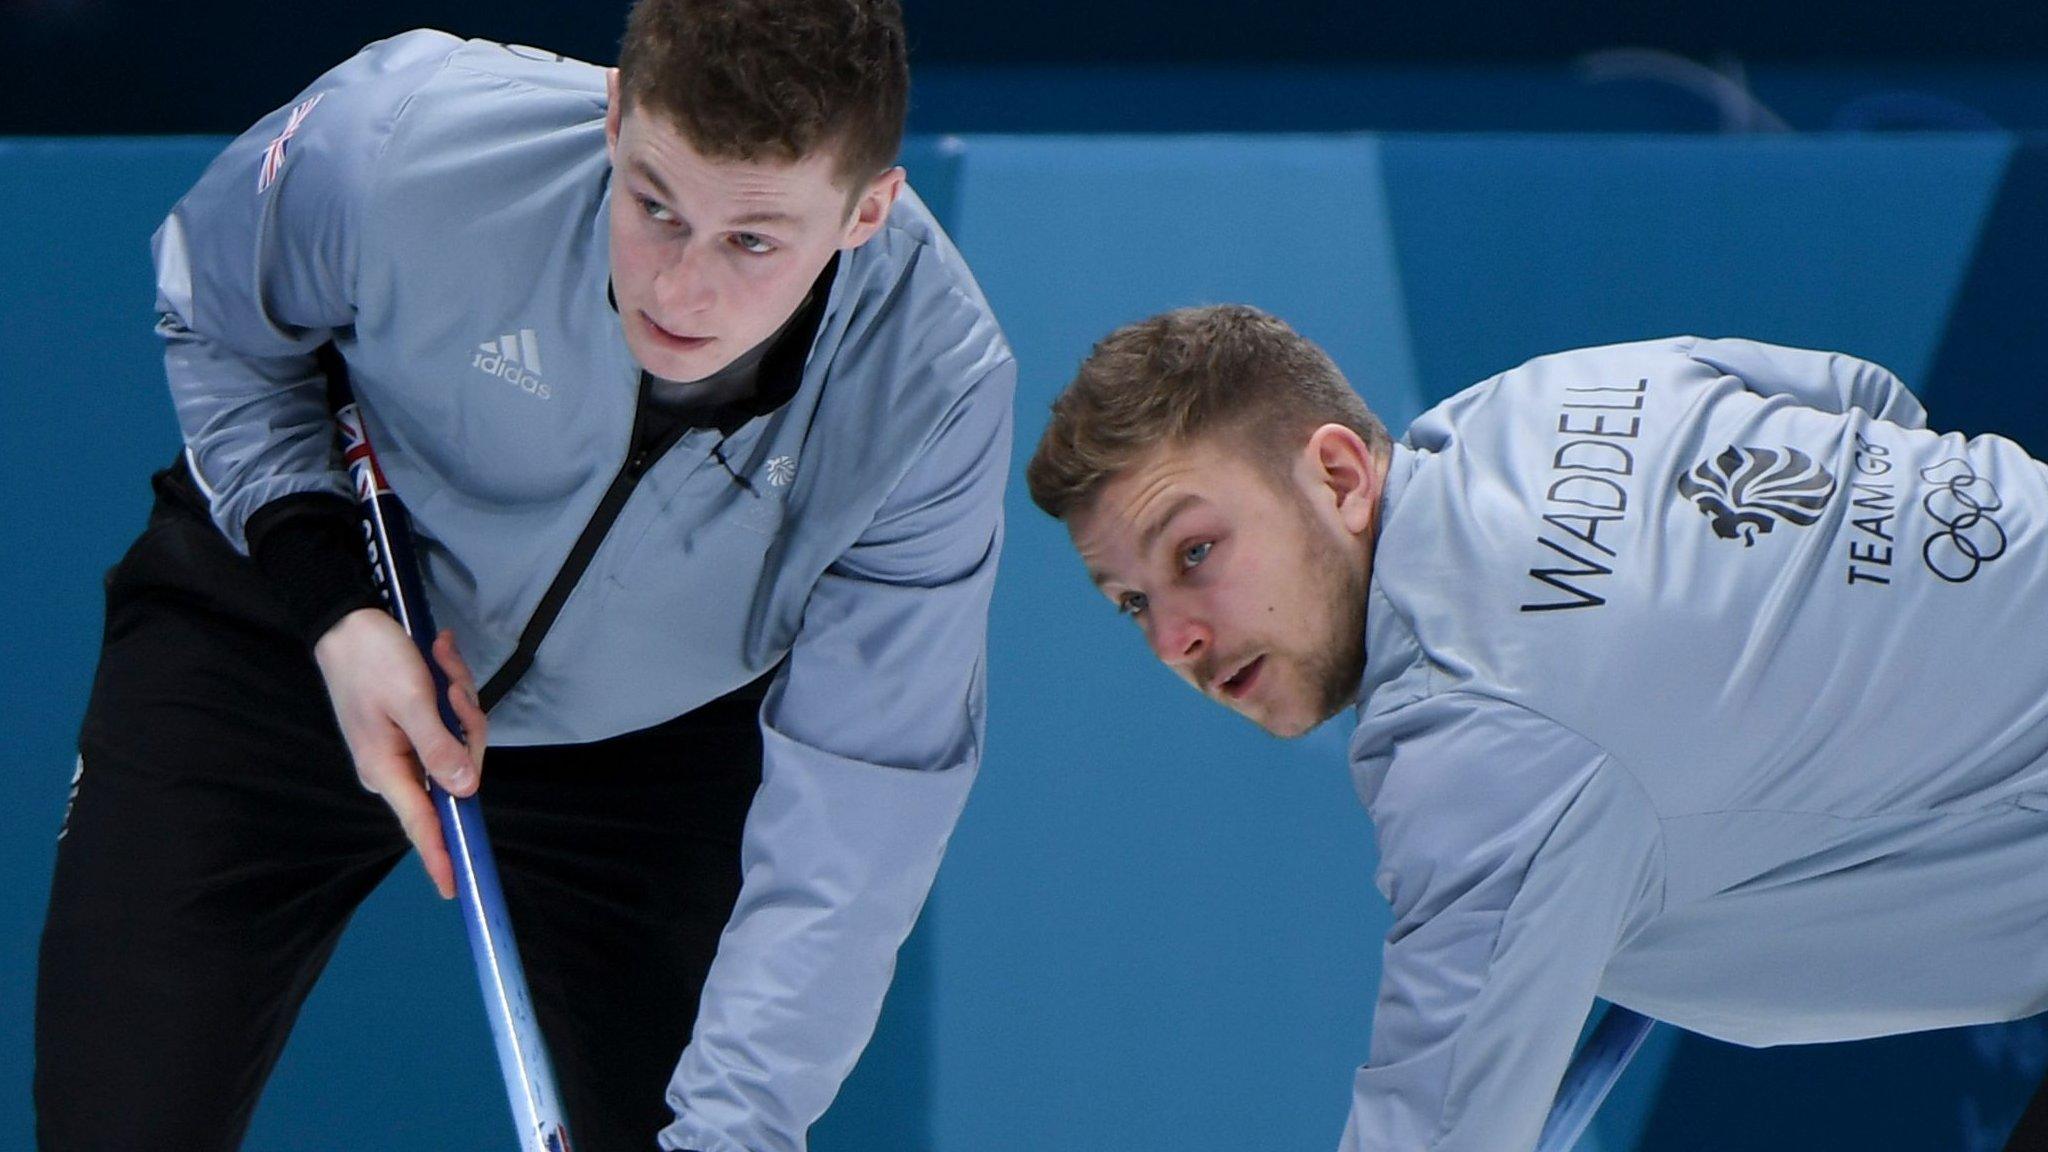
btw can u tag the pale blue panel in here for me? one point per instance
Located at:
(1157, 927)
(1515, 246)
(1072, 236)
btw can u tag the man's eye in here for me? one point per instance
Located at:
(1194, 554)
(1131, 603)
(656, 212)
(752, 242)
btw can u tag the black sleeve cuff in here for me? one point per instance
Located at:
(310, 549)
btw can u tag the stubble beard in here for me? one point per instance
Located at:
(1336, 669)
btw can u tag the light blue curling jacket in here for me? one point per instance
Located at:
(1703, 678)
(437, 209)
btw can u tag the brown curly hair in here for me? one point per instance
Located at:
(1187, 375)
(773, 79)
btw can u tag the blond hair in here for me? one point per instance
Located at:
(1187, 375)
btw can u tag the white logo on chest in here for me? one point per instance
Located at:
(515, 359)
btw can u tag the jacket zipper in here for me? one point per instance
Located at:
(638, 461)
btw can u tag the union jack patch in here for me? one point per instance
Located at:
(273, 153)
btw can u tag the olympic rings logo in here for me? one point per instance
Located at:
(1962, 503)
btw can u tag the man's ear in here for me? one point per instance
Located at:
(871, 208)
(1342, 465)
(612, 112)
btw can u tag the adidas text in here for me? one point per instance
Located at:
(515, 359)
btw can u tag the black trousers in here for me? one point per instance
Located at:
(219, 841)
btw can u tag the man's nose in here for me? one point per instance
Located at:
(687, 284)
(1179, 638)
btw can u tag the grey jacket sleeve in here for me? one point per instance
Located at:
(256, 270)
(873, 734)
(1829, 381)
(1514, 854)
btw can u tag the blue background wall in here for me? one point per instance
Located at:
(1156, 929)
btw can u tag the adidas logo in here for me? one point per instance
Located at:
(515, 359)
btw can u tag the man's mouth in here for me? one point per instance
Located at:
(681, 342)
(1238, 684)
